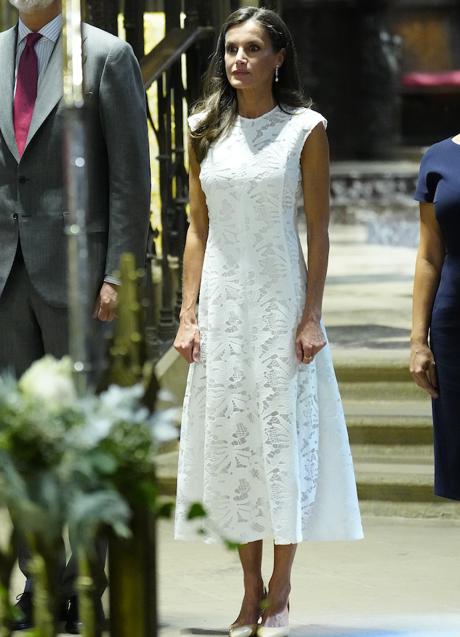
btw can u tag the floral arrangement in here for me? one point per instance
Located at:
(68, 460)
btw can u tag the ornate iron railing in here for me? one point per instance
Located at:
(163, 67)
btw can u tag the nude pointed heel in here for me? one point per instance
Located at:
(267, 631)
(274, 631)
(243, 631)
(249, 630)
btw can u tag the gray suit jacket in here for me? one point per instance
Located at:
(32, 207)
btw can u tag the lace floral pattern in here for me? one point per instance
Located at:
(264, 444)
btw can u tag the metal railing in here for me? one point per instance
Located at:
(163, 67)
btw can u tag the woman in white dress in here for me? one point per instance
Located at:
(264, 444)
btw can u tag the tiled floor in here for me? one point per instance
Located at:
(402, 580)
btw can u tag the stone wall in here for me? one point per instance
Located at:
(353, 54)
(349, 66)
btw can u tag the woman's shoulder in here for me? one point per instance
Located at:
(436, 163)
(440, 149)
(304, 116)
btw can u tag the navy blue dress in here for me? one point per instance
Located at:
(439, 183)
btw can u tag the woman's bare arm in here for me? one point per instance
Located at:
(430, 257)
(187, 340)
(315, 183)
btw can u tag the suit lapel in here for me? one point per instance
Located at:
(50, 91)
(51, 88)
(7, 61)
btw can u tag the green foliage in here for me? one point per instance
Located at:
(85, 461)
(196, 511)
(132, 451)
(165, 510)
(88, 512)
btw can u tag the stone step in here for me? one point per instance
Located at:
(368, 365)
(384, 391)
(438, 509)
(395, 482)
(401, 454)
(166, 473)
(389, 430)
(386, 408)
(167, 485)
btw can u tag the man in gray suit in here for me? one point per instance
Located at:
(33, 261)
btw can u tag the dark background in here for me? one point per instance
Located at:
(355, 56)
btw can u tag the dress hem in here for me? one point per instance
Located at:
(213, 540)
(443, 494)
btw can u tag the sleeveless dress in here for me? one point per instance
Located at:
(439, 183)
(264, 444)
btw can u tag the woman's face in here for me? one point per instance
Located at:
(249, 57)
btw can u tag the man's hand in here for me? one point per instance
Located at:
(106, 302)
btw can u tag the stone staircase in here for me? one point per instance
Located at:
(390, 430)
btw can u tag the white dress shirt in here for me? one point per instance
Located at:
(50, 34)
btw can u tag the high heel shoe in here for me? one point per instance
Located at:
(276, 631)
(243, 631)
(271, 631)
(248, 630)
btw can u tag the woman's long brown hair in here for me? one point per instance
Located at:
(218, 105)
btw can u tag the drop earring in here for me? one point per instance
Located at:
(277, 79)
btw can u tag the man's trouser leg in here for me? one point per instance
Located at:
(29, 329)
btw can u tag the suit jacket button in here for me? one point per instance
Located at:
(15, 216)
(22, 179)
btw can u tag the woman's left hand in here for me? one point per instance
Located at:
(309, 341)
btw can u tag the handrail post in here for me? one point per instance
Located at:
(134, 26)
(103, 14)
(167, 325)
(76, 187)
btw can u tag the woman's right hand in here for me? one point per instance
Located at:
(423, 368)
(187, 341)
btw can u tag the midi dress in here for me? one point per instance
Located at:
(439, 183)
(264, 444)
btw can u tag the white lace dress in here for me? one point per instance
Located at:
(264, 444)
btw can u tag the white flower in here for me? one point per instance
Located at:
(50, 381)
(123, 403)
(116, 397)
(101, 413)
(91, 433)
(165, 395)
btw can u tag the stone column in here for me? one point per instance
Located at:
(349, 67)
(378, 98)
